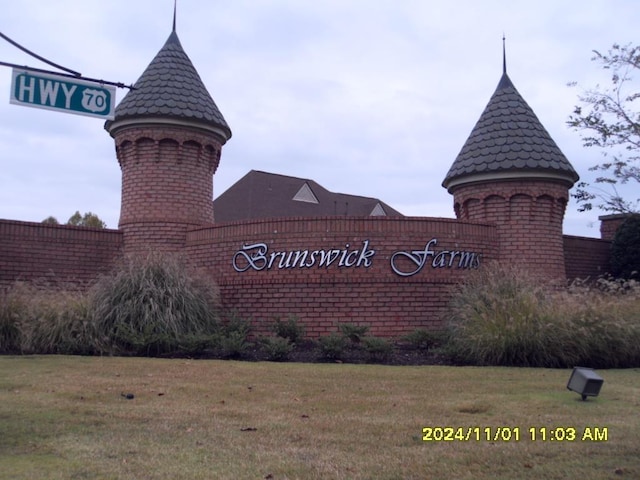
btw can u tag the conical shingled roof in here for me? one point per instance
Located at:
(170, 88)
(508, 141)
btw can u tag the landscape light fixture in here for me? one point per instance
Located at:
(585, 381)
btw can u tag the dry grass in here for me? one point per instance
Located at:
(64, 418)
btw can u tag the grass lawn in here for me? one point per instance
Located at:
(65, 418)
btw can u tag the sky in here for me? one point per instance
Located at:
(366, 97)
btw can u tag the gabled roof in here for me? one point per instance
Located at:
(269, 195)
(508, 141)
(170, 89)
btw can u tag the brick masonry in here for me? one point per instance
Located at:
(167, 192)
(167, 184)
(55, 253)
(324, 296)
(528, 216)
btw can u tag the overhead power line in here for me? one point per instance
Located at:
(70, 73)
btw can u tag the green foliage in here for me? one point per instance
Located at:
(353, 332)
(277, 348)
(87, 220)
(421, 338)
(610, 121)
(378, 348)
(50, 220)
(291, 329)
(332, 346)
(232, 344)
(501, 316)
(625, 249)
(232, 339)
(146, 306)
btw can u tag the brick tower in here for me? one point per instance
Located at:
(168, 135)
(511, 173)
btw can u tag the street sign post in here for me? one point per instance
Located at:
(62, 94)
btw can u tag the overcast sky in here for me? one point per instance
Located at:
(367, 97)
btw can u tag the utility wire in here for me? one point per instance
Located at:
(70, 73)
(42, 59)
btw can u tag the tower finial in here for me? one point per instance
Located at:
(175, 7)
(504, 54)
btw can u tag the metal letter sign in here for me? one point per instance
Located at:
(52, 92)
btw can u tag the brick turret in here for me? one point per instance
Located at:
(510, 173)
(168, 133)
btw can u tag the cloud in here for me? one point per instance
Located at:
(370, 98)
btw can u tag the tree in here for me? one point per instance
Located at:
(51, 220)
(625, 249)
(87, 220)
(610, 119)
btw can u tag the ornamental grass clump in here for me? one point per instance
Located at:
(605, 317)
(149, 305)
(502, 316)
(45, 318)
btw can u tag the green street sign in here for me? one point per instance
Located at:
(62, 94)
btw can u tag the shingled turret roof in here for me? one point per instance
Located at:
(508, 141)
(170, 89)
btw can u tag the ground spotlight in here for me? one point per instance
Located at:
(585, 381)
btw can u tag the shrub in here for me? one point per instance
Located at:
(290, 329)
(277, 348)
(233, 344)
(353, 332)
(43, 318)
(501, 316)
(145, 306)
(422, 339)
(378, 348)
(332, 346)
(625, 249)
(604, 318)
(13, 307)
(232, 338)
(234, 323)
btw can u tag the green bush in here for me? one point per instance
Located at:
(502, 316)
(422, 339)
(291, 329)
(625, 249)
(146, 306)
(277, 348)
(378, 348)
(353, 332)
(232, 339)
(332, 346)
(233, 344)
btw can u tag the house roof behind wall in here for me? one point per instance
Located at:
(269, 195)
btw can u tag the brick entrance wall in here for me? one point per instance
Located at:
(56, 253)
(322, 297)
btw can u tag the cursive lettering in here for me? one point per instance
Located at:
(407, 264)
(256, 256)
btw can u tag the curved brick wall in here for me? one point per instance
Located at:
(359, 284)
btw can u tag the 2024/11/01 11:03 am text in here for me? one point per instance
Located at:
(515, 434)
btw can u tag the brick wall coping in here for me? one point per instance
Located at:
(16, 228)
(336, 224)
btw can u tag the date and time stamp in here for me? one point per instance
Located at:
(514, 434)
